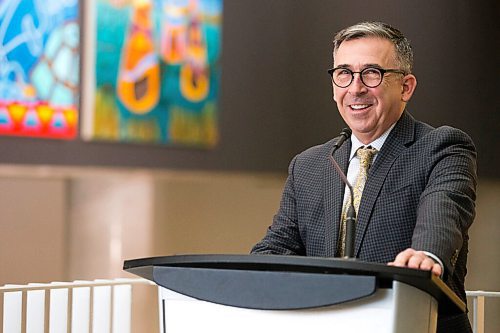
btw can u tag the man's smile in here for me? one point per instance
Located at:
(359, 106)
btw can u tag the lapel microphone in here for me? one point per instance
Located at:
(350, 227)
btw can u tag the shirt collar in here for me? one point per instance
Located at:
(377, 143)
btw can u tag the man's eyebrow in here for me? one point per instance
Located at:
(372, 65)
(363, 66)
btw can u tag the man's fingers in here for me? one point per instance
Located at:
(402, 258)
(420, 260)
(426, 264)
(437, 269)
(417, 260)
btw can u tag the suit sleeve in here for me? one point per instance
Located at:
(447, 205)
(283, 235)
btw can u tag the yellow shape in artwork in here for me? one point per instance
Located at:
(194, 79)
(17, 112)
(45, 113)
(29, 91)
(71, 117)
(138, 86)
(194, 83)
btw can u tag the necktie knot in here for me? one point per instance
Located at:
(366, 155)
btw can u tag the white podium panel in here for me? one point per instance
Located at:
(402, 308)
(267, 293)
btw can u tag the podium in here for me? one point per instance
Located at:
(267, 293)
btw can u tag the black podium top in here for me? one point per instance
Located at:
(284, 282)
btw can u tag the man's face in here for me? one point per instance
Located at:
(369, 112)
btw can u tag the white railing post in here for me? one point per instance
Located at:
(12, 310)
(122, 304)
(58, 309)
(478, 314)
(80, 309)
(35, 310)
(101, 322)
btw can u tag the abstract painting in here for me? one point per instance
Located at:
(153, 71)
(39, 68)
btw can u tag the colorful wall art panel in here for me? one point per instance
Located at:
(39, 68)
(155, 71)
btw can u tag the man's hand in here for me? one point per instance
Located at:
(416, 259)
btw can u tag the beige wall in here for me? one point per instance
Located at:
(213, 213)
(33, 230)
(484, 250)
(65, 224)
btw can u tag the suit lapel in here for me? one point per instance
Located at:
(394, 146)
(333, 192)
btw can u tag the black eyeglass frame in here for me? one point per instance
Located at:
(381, 70)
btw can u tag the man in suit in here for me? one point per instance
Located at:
(418, 199)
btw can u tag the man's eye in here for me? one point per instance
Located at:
(371, 71)
(343, 72)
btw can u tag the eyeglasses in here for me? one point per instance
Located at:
(370, 76)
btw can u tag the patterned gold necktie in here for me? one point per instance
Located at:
(366, 155)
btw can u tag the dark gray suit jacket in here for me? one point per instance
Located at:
(420, 193)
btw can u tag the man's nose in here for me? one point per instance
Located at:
(357, 86)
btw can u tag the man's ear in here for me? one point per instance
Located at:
(409, 85)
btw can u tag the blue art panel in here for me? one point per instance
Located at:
(156, 71)
(39, 68)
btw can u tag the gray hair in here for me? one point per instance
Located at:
(404, 53)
